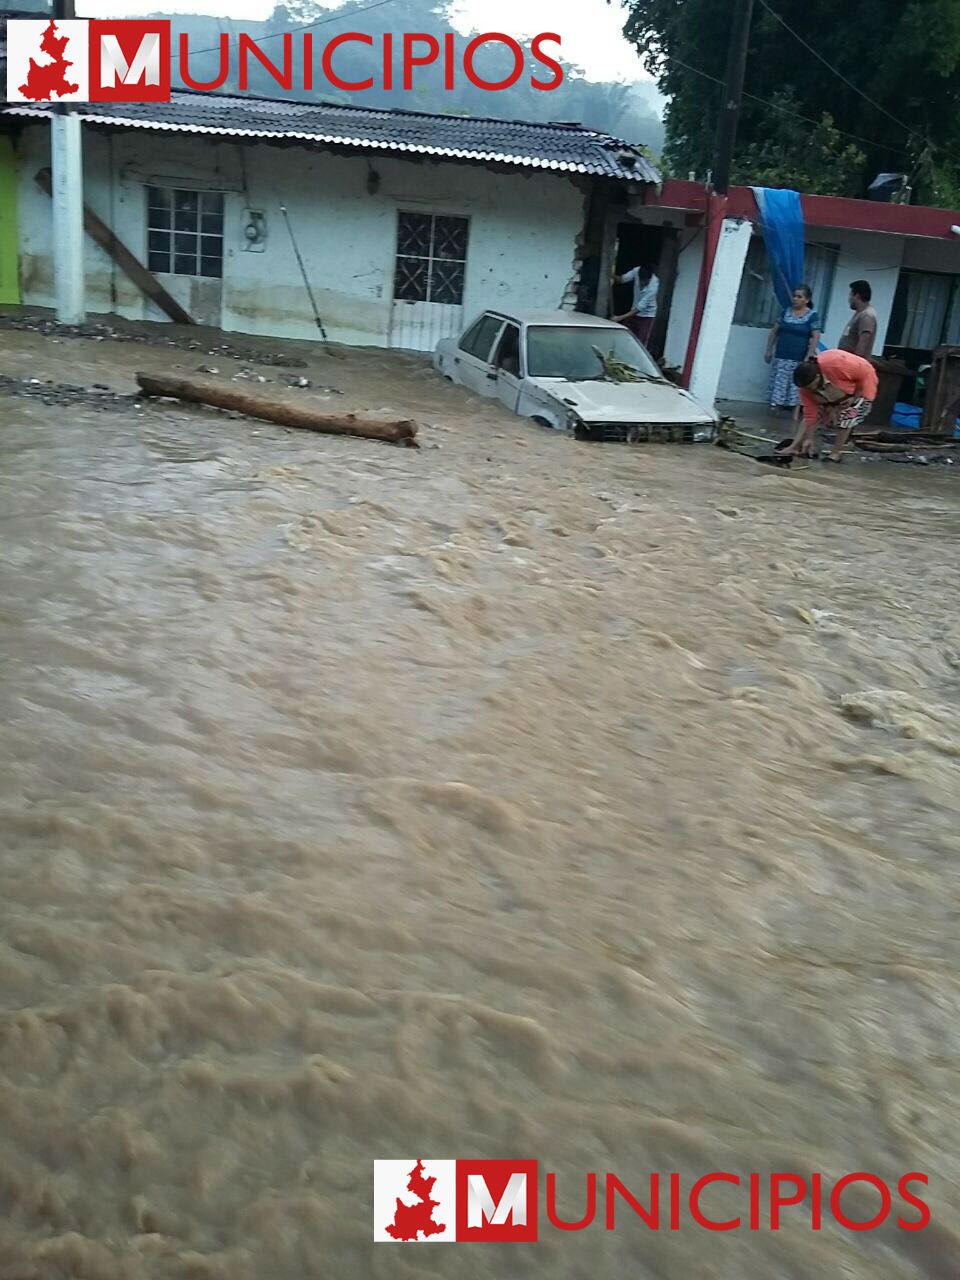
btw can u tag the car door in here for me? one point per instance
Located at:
(506, 364)
(472, 359)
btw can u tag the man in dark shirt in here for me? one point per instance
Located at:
(861, 333)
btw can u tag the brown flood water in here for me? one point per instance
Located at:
(510, 798)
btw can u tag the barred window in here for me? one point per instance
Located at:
(926, 311)
(185, 232)
(431, 258)
(757, 304)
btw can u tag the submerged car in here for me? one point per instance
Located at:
(576, 373)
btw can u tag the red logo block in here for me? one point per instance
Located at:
(47, 61)
(130, 61)
(496, 1200)
(426, 1201)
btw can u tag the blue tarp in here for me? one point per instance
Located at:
(781, 221)
(911, 417)
(906, 415)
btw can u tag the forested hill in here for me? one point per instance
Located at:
(629, 111)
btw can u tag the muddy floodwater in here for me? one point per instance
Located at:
(512, 797)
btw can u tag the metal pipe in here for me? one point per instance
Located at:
(303, 272)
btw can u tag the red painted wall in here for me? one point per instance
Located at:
(823, 211)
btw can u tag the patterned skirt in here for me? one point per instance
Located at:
(783, 391)
(854, 415)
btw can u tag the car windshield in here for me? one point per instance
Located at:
(570, 351)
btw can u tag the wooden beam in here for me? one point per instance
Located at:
(145, 281)
(277, 406)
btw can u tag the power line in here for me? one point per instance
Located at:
(849, 83)
(774, 106)
(321, 22)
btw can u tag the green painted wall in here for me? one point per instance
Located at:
(9, 240)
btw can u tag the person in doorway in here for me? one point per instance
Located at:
(793, 339)
(639, 319)
(861, 333)
(836, 390)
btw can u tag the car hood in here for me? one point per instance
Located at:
(628, 401)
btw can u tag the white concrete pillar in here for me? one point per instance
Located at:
(66, 154)
(719, 308)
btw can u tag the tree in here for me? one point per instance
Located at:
(903, 54)
(813, 158)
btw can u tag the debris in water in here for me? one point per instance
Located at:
(897, 711)
(65, 393)
(99, 331)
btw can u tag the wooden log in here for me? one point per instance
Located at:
(145, 280)
(279, 407)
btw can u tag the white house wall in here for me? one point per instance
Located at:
(933, 255)
(523, 229)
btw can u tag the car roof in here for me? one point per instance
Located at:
(554, 317)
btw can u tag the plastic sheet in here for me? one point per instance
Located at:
(782, 224)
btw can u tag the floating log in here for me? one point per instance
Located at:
(279, 407)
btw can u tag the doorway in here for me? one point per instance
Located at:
(429, 279)
(641, 245)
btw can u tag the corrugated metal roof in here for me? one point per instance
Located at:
(561, 147)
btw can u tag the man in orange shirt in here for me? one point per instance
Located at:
(837, 389)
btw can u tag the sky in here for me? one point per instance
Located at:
(591, 30)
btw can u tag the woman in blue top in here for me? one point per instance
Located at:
(793, 339)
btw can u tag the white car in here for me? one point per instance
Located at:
(545, 365)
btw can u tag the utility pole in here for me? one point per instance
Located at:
(732, 95)
(66, 163)
(716, 195)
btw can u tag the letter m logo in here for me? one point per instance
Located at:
(496, 1200)
(130, 61)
